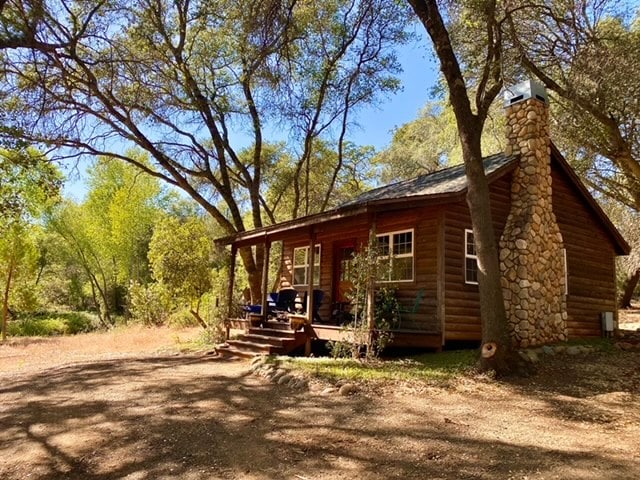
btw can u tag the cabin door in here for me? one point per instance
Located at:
(343, 255)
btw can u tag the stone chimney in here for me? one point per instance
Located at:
(531, 247)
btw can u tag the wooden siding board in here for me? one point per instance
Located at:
(590, 258)
(462, 300)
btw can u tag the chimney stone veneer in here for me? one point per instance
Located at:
(531, 247)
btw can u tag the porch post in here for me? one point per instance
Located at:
(312, 257)
(371, 281)
(232, 278)
(265, 278)
(371, 286)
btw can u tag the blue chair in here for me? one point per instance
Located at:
(285, 303)
(272, 299)
(318, 295)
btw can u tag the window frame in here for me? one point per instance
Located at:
(391, 256)
(469, 256)
(305, 266)
(566, 271)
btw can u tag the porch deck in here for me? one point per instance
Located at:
(399, 337)
(278, 337)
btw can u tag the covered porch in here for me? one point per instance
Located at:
(315, 258)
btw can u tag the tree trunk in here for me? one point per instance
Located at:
(5, 303)
(198, 318)
(497, 353)
(630, 284)
(254, 273)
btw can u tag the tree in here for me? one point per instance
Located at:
(470, 121)
(628, 269)
(70, 221)
(180, 80)
(18, 259)
(182, 257)
(325, 187)
(431, 142)
(123, 204)
(29, 186)
(30, 183)
(108, 235)
(589, 58)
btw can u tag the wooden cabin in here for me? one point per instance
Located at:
(424, 227)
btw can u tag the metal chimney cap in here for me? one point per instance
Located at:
(524, 91)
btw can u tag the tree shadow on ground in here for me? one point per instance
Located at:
(592, 388)
(199, 417)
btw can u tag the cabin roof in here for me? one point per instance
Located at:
(450, 180)
(445, 185)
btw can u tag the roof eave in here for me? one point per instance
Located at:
(252, 237)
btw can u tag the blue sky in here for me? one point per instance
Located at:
(420, 73)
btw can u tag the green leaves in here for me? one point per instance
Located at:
(181, 256)
(29, 184)
(589, 58)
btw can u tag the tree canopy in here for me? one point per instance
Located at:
(431, 142)
(589, 58)
(194, 83)
(29, 185)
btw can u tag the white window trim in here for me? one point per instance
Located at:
(316, 265)
(402, 255)
(566, 271)
(468, 255)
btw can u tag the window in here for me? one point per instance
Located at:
(470, 258)
(396, 254)
(301, 266)
(566, 271)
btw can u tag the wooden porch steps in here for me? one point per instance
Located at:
(276, 338)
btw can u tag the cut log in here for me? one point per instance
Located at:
(489, 349)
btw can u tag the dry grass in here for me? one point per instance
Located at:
(23, 354)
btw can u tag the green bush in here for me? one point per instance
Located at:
(148, 304)
(182, 318)
(44, 324)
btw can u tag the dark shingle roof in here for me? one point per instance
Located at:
(448, 181)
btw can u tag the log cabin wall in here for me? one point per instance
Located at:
(590, 258)
(423, 221)
(462, 300)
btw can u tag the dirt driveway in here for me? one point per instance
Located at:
(140, 414)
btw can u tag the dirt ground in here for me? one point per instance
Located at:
(127, 405)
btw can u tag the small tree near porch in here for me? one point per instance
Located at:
(366, 329)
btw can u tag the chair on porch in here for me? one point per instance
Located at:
(285, 303)
(402, 311)
(257, 308)
(318, 295)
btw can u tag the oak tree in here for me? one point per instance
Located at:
(471, 114)
(192, 83)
